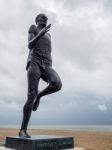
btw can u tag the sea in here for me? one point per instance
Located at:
(104, 128)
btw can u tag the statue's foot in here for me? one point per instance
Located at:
(24, 134)
(36, 103)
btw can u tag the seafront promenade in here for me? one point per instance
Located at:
(95, 140)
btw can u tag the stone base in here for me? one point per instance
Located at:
(76, 148)
(40, 142)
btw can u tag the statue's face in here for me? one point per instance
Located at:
(42, 20)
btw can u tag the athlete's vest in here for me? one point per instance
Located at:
(41, 52)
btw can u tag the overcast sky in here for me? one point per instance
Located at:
(81, 34)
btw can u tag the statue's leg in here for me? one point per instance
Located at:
(33, 76)
(55, 85)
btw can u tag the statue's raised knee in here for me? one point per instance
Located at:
(57, 85)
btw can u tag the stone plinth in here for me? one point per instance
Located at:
(40, 142)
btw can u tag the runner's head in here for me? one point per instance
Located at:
(41, 20)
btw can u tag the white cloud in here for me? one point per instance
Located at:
(11, 106)
(102, 107)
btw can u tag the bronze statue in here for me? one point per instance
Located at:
(39, 65)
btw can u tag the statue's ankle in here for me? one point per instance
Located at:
(23, 129)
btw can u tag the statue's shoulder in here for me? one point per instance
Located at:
(32, 29)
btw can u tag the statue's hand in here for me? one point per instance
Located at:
(44, 30)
